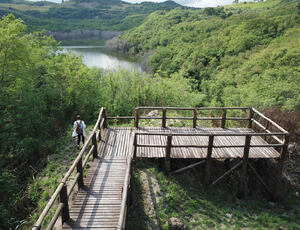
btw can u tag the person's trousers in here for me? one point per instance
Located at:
(79, 137)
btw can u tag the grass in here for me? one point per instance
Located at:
(42, 187)
(183, 196)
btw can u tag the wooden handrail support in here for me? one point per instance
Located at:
(250, 117)
(283, 154)
(242, 189)
(168, 153)
(62, 190)
(223, 123)
(136, 118)
(134, 145)
(195, 118)
(208, 159)
(164, 116)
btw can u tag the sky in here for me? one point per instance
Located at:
(191, 3)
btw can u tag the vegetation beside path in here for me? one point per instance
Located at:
(42, 90)
(183, 196)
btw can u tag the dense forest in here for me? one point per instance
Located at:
(238, 55)
(82, 14)
(41, 92)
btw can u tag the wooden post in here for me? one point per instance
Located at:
(195, 118)
(168, 153)
(105, 118)
(65, 215)
(100, 121)
(242, 187)
(80, 171)
(250, 117)
(94, 140)
(99, 137)
(267, 127)
(208, 159)
(134, 146)
(164, 116)
(283, 154)
(223, 118)
(136, 118)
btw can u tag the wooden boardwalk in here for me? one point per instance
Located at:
(115, 143)
(98, 204)
(101, 201)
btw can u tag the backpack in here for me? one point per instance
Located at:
(78, 128)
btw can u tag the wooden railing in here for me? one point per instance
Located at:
(63, 191)
(223, 118)
(194, 118)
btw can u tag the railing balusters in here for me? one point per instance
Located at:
(223, 123)
(164, 117)
(105, 118)
(250, 117)
(80, 171)
(134, 146)
(62, 190)
(267, 128)
(168, 153)
(195, 118)
(65, 215)
(283, 154)
(94, 140)
(136, 118)
(242, 189)
(208, 159)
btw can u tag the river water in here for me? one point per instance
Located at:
(100, 57)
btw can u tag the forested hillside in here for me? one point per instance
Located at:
(41, 92)
(239, 55)
(82, 14)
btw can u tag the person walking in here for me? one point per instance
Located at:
(79, 130)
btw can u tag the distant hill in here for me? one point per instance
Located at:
(82, 14)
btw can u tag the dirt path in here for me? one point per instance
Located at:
(151, 196)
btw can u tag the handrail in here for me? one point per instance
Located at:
(61, 189)
(269, 120)
(207, 134)
(194, 118)
(198, 108)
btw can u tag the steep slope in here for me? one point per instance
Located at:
(244, 54)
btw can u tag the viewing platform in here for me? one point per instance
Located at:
(192, 133)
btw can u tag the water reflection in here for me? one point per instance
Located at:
(98, 56)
